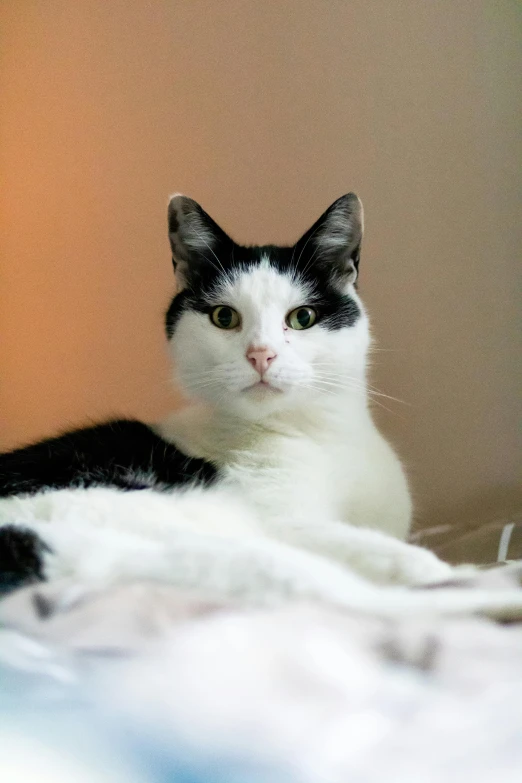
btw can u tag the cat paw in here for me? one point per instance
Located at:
(418, 567)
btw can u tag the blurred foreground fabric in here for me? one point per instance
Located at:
(145, 684)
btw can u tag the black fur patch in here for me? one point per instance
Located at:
(336, 309)
(324, 259)
(21, 557)
(125, 454)
(43, 606)
(180, 303)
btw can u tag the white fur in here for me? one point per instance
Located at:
(312, 494)
(310, 448)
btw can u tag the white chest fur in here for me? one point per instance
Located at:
(326, 464)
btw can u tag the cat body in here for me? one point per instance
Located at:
(312, 466)
(274, 480)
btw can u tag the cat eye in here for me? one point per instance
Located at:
(224, 317)
(301, 318)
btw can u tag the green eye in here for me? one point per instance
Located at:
(301, 318)
(224, 317)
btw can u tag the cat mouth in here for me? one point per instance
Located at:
(262, 386)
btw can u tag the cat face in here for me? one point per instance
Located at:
(260, 329)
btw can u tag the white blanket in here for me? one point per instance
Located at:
(303, 692)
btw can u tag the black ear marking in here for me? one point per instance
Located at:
(326, 258)
(173, 222)
(195, 239)
(334, 241)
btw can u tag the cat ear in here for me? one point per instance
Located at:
(196, 240)
(334, 241)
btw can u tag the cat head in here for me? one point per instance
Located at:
(260, 329)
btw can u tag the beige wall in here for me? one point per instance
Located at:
(266, 112)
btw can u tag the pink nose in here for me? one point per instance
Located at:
(260, 358)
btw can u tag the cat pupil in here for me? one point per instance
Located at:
(225, 317)
(303, 316)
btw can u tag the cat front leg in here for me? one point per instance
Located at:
(251, 571)
(374, 555)
(194, 541)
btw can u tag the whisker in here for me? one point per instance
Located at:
(361, 384)
(376, 393)
(371, 399)
(204, 373)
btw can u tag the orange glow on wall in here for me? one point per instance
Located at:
(266, 112)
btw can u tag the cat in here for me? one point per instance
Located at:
(273, 480)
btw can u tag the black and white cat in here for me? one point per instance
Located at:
(273, 481)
